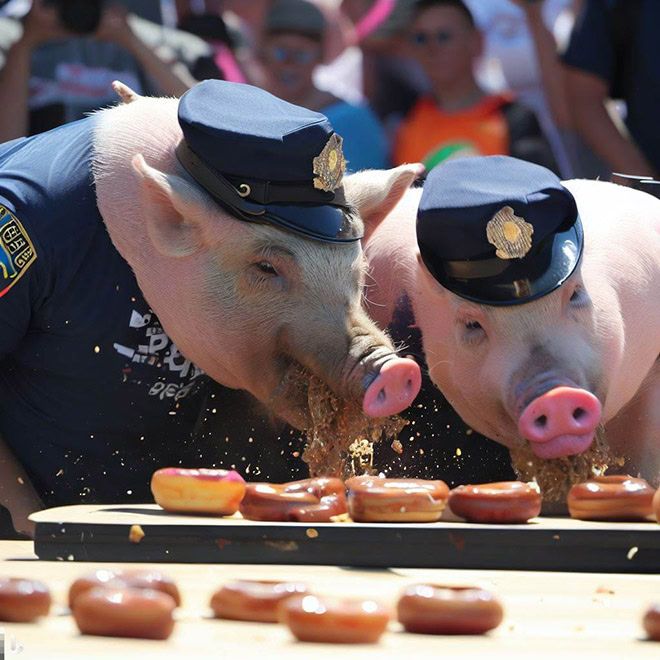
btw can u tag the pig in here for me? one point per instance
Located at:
(207, 296)
(552, 377)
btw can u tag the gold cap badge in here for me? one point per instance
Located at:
(510, 234)
(329, 165)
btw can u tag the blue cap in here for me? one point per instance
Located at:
(265, 160)
(497, 230)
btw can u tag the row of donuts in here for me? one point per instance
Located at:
(379, 499)
(140, 604)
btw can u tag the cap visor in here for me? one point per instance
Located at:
(320, 222)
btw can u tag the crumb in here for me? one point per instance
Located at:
(604, 590)
(397, 446)
(311, 533)
(632, 552)
(341, 518)
(136, 534)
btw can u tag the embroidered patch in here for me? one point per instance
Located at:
(16, 250)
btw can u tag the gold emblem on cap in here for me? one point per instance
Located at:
(510, 234)
(329, 165)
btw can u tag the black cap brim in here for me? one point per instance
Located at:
(516, 281)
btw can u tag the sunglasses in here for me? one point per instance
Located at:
(297, 55)
(440, 37)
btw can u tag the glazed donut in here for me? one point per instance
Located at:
(614, 497)
(328, 506)
(99, 578)
(138, 579)
(656, 504)
(651, 623)
(183, 490)
(439, 610)
(124, 612)
(253, 600)
(23, 600)
(334, 620)
(308, 500)
(498, 502)
(377, 499)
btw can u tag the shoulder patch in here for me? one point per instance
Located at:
(16, 250)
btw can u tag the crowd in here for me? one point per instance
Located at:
(569, 84)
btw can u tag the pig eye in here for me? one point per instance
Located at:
(473, 325)
(266, 268)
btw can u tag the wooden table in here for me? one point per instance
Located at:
(567, 615)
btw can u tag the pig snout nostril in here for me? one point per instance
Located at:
(382, 395)
(578, 413)
(541, 421)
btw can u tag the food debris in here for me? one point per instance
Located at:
(311, 533)
(632, 552)
(397, 446)
(341, 518)
(136, 534)
(604, 590)
(20, 480)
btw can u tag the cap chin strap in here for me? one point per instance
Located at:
(250, 194)
(216, 185)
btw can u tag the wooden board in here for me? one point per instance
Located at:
(546, 615)
(101, 533)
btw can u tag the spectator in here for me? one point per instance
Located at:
(459, 118)
(52, 75)
(292, 47)
(614, 53)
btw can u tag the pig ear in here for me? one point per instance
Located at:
(376, 192)
(175, 211)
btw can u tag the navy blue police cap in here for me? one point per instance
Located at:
(265, 160)
(497, 230)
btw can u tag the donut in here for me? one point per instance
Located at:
(253, 600)
(23, 600)
(181, 490)
(377, 499)
(498, 502)
(614, 497)
(99, 578)
(651, 623)
(656, 504)
(308, 500)
(440, 610)
(334, 620)
(138, 579)
(124, 612)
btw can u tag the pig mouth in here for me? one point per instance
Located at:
(555, 476)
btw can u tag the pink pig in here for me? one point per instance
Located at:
(550, 371)
(246, 302)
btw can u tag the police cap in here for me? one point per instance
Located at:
(265, 160)
(497, 230)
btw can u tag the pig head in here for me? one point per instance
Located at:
(247, 303)
(546, 375)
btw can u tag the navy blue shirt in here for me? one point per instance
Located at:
(617, 40)
(93, 394)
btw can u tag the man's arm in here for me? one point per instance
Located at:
(172, 78)
(41, 24)
(552, 72)
(16, 491)
(589, 93)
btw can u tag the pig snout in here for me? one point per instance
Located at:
(560, 422)
(393, 389)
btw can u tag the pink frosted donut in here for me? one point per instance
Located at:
(182, 490)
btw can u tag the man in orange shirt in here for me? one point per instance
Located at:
(459, 119)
